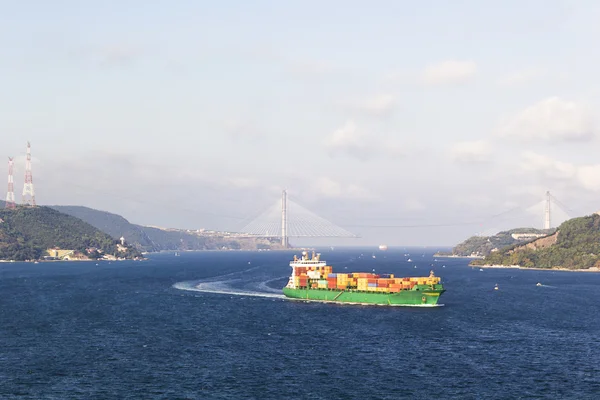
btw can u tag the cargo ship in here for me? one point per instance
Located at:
(312, 279)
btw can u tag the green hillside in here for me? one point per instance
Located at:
(143, 238)
(146, 238)
(25, 233)
(113, 225)
(483, 245)
(576, 246)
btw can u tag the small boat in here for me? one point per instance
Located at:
(539, 284)
(480, 270)
(409, 260)
(496, 287)
(177, 255)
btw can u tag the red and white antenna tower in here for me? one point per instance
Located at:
(28, 187)
(10, 194)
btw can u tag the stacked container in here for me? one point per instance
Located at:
(322, 277)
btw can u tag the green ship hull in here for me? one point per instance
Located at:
(420, 295)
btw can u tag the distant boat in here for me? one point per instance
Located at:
(373, 256)
(383, 247)
(176, 254)
(496, 287)
(539, 284)
(480, 270)
(409, 260)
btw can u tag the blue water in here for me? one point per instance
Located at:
(140, 330)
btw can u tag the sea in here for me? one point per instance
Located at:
(214, 325)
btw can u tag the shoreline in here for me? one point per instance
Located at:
(75, 260)
(228, 250)
(455, 256)
(533, 268)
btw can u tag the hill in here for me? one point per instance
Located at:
(112, 224)
(484, 245)
(575, 245)
(27, 232)
(146, 238)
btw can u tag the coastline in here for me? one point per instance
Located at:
(455, 256)
(74, 260)
(535, 268)
(229, 250)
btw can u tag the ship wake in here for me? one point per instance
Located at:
(226, 287)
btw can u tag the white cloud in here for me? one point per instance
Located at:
(548, 167)
(354, 142)
(449, 72)
(551, 119)
(476, 151)
(350, 140)
(589, 177)
(586, 176)
(328, 188)
(379, 105)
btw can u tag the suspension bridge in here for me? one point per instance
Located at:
(287, 219)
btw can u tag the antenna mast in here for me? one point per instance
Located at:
(10, 194)
(28, 186)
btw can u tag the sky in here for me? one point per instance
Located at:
(405, 122)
